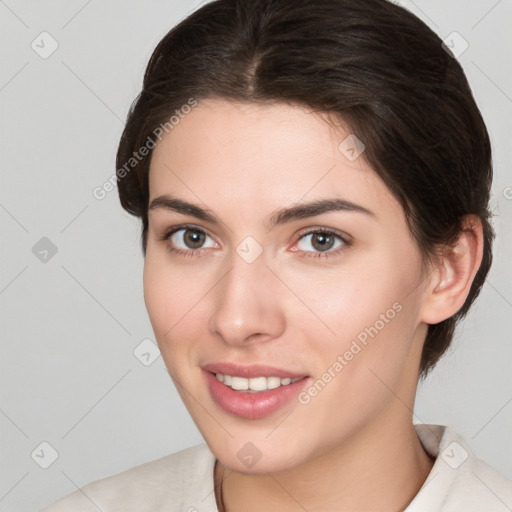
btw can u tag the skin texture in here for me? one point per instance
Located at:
(293, 310)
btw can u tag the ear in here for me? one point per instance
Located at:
(451, 280)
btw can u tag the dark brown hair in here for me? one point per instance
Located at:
(372, 64)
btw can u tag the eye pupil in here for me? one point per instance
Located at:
(322, 242)
(193, 239)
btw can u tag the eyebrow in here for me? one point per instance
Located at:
(283, 216)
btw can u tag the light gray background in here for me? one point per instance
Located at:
(70, 325)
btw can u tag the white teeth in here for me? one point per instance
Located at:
(273, 382)
(258, 383)
(254, 384)
(239, 383)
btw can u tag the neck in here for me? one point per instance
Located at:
(379, 469)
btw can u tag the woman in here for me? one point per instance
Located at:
(313, 182)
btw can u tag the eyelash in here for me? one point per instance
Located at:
(304, 254)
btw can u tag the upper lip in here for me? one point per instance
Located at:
(254, 370)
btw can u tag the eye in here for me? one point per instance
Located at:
(321, 241)
(187, 240)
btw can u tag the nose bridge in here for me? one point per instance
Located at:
(246, 299)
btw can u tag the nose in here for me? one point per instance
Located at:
(246, 304)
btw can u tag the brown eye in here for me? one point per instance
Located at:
(187, 239)
(193, 239)
(321, 241)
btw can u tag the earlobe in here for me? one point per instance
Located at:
(451, 280)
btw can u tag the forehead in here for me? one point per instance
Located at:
(267, 134)
(225, 152)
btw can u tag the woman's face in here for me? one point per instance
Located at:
(253, 286)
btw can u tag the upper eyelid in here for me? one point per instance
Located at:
(173, 229)
(321, 229)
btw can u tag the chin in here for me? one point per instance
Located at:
(258, 456)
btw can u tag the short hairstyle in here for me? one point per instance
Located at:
(371, 64)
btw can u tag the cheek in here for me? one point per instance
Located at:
(157, 294)
(364, 311)
(349, 296)
(165, 297)
(173, 295)
(168, 291)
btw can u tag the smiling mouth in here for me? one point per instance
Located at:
(253, 396)
(255, 384)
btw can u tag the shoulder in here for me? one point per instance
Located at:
(480, 487)
(180, 481)
(458, 480)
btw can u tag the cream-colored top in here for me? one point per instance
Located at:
(183, 482)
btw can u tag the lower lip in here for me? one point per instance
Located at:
(252, 405)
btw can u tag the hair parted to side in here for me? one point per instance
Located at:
(370, 63)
